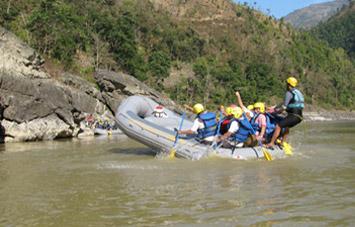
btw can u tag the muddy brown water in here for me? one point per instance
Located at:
(118, 182)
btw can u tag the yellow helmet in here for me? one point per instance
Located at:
(261, 106)
(229, 111)
(292, 81)
(237, 112)
(250, 107)
(198, 108)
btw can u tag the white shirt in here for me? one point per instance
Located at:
(198, 124)
(234, 127)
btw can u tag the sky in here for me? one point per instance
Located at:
(280, 8)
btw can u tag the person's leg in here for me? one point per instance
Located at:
(284, 136)
(251, 141)
(274, 136)
(285, 125)
(288, 122)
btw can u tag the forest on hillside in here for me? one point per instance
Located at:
(204, 62)
(339, 31)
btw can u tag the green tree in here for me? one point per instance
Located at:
(124, 46)
(56, 30)
(261, 78)
(159, 64)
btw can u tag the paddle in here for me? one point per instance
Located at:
(266, 153)
(287, 148)
(173, 149)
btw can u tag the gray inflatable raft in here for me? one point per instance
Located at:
(135, 118)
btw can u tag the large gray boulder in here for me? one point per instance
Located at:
(30, 101)
(39, 107)
(115, 86)
(47, 128)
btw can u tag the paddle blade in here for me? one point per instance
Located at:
(172, 153)
(267, 155)
(287, 148)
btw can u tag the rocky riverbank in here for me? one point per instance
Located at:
(38, 106)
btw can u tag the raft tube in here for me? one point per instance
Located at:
(135, 118)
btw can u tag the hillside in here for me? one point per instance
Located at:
(192, 50)
(312, 15)
(339, 30)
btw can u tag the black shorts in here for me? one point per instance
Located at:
(290, 120)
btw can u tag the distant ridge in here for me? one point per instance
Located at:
(312, 15)
(339, 30)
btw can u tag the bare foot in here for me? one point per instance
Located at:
(269, 145)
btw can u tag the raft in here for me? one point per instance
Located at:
(100, 131)
(135, 118)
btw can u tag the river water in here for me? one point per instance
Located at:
(118, 182)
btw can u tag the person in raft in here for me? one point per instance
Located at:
(227, 121)
(258, 121)
(256, 116)
(293, 104)
(238, 132)
(205, 125)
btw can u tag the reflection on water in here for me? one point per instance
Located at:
(116, 181)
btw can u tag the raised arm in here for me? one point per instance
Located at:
(239, 99)
(188, 107)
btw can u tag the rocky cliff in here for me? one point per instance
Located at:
(40, 107)
(312, 15)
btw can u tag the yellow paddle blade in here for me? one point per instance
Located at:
(267, 155)
(172, 153)
(287, 148)
(285, 144)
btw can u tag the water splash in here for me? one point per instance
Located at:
(125, 166)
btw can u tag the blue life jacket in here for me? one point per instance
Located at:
(245, 129)
(254, 124)
(297, 101)
(210, 122)
(270, 124)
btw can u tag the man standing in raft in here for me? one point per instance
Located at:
(293, 104)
